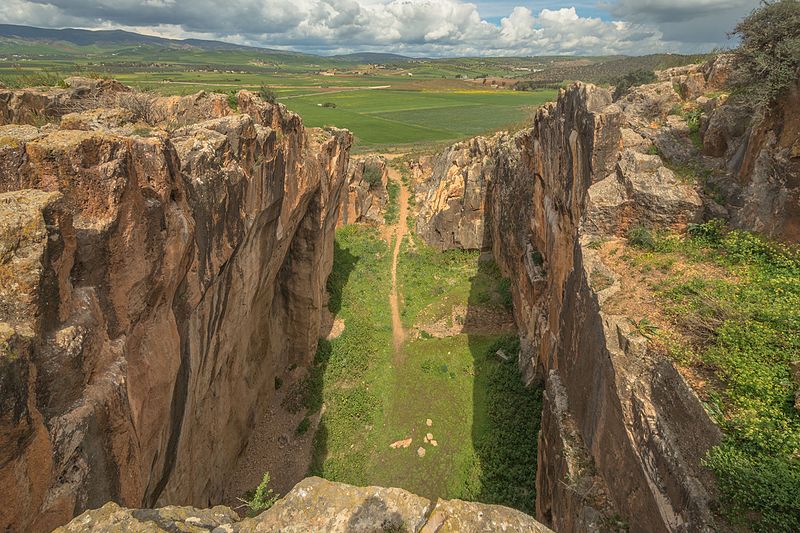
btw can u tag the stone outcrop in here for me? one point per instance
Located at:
(573, 180)
(366, 197)
(754, 156)
(319, 505)
(37, 106)
(452, 193)
(760, 159)
(154, 282)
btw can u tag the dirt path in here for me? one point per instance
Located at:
(400, 230)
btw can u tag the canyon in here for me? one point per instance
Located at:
(158, 277)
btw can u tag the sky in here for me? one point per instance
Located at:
(432, 28)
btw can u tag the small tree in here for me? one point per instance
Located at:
(263, 498)
(769, 53)
(267, 94)
(372, 174)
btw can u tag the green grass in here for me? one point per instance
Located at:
(484, 420)
(432, 282)
(745, 328)
(388, 117)
(351, 374)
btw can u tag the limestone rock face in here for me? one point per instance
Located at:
(31, 106)
(754, 157)
(605, 391)
(764, 168)
(319, 505)
(366, 197)
(641, 191)
(112, 517)
(585, 170)
(452, 194)
(153, 285)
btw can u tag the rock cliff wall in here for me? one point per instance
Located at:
(155, 280)
(622, 432)
(366, 197)
(452, 193)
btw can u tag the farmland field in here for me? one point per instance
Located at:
(390, 117)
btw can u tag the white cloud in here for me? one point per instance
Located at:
(424, 27)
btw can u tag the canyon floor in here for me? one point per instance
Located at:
(419, 343)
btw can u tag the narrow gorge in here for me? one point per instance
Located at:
(513, 331)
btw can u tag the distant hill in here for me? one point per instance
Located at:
(120, 37)
(373, 57)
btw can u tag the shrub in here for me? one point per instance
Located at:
(329, 105)
(769, 53)
(267, 94)
(262, 499)
(641, 237)
(372, 174)
(233, 102)
(632, 79)
(143, 106)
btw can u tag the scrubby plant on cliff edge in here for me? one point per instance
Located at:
(372, 174)
(262, 499)
(769, 53)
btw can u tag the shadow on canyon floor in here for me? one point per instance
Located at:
(505, 413)
(344, 263)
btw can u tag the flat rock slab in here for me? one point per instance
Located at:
(470, 517)
(316, 504)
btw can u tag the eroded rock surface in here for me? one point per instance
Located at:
(156, 277)
(319, 505)
(366, 198)
(451, 193)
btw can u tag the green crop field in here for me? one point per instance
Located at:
(389, 117)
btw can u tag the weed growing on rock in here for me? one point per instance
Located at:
(261, 499)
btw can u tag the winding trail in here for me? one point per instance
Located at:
(400, 230)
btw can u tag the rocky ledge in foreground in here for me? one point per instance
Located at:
(316, 504)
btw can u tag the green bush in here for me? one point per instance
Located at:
(233, 102)
(262, 498)
(372, 174)
(641, 237)
(769, 53)
(267, 94)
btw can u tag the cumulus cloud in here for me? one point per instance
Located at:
(422, 27)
